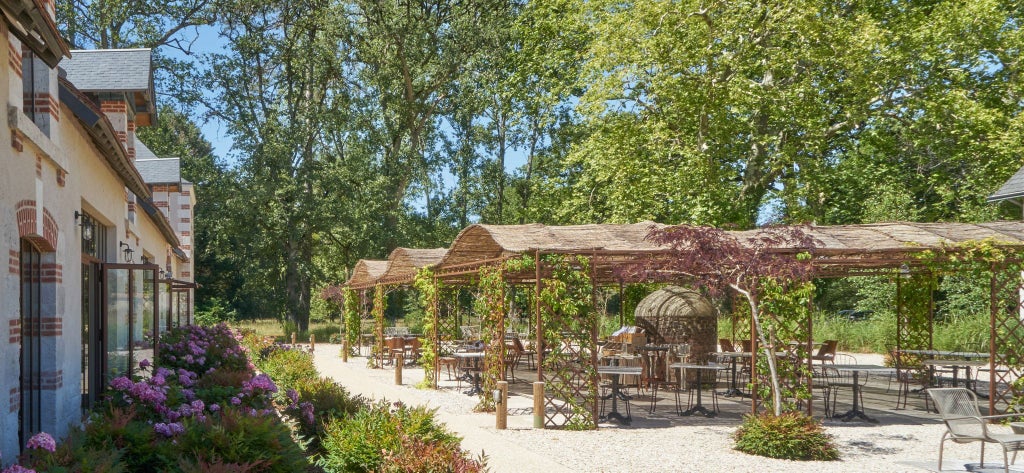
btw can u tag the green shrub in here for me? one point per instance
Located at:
(117, 441)
(326, 400)
(325, 333)
(791, 436)
(288, 367)
(215, 311)
(261, 441)
(219, 386)
(380, 437)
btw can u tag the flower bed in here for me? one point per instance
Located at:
(202, 407)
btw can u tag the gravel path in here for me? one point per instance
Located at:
(673, 444)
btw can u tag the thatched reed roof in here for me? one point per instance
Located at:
(906, 236)
(485, 242)
(366, 272)
(839, 248)
(405, 262)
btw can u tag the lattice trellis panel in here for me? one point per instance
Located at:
(914, 311)
(379, 306)
(1007, 336)
(787, 315)
(490, 306)
(569, 323)
(446, 326)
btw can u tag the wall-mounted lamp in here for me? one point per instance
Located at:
(86, 224)
(904, 270)
(127, 251)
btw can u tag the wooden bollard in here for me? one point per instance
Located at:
(538, 405)
(293, 338)
(399, 361)
(312, 342)
(344, 351)
(501, 409)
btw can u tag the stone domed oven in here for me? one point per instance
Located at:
(679, 315)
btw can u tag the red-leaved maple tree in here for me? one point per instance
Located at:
(718, 260)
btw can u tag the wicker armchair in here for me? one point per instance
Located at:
(964, 423)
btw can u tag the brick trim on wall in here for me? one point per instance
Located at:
(27, 219)
(13, 262)
(113, 106)
(16, 141)
(52, 273)
(14, 58)
(14, 332)
(15, 399)
(51, 380)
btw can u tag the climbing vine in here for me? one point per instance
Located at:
(350, 311)
(784, 314)
(490, 307)
(429, 289)
(380, 304)
(569, 324)
(632, 294)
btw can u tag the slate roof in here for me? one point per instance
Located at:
(159, 170)
(106, 70)
(142, 151)
(1011, 189)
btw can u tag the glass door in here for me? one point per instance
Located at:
(130, 310)
(92, 334)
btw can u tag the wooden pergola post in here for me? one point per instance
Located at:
(540, 323)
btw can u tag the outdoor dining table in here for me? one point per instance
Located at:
(616, 394)
(469, 363)
(857, 411)
(699, 407)
(947, 354)
(734, 390)
(956, 365)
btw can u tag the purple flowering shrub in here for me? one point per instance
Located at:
(202, 349)
(314, 402)
(118, 441)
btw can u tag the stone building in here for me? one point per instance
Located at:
(93, 264)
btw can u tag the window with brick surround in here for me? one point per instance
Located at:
(28, 83)
(29, 412)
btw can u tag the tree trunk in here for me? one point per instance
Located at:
(297, 284)
(768, 345)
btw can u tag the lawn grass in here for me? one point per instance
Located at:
(875, 334)
(274, 328)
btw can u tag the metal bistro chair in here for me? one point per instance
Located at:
(524, 353)
(838, 380)
(964, 423)
(910, 375)
(827, 352)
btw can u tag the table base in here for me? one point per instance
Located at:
(856, 414)
(734, 392)
(616, 416)
(698, 409)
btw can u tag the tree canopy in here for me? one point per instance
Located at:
(361, 126)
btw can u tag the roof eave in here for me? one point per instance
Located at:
(1002, 197)
(102, 132)
(41, 35)
(158, 219)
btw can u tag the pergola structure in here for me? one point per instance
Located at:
(842, 250)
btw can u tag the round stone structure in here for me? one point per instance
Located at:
(678, 315)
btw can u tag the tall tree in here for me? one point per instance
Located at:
(215, 248)
(277, 89)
